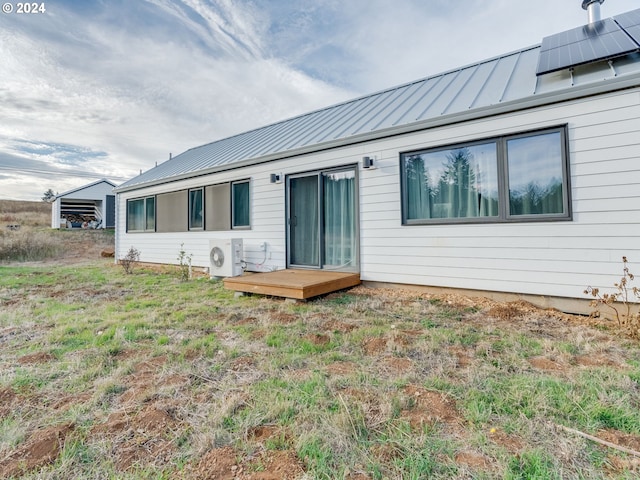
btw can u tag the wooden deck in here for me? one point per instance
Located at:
(298, 284)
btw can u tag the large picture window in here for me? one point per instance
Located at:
(141, 215)
(240, 205)
(511, 178)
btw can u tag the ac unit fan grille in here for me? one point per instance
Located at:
(217, 256)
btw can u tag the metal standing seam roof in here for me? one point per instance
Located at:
(498, 85)
(93, 184)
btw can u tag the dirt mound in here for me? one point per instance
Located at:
(283, 318)
(317, 339)
(547, 364)
(473, 460)
(427, 407)
(512, 443)
(228, 464)
(42, 448)
(341, 368)
(140, 438)
(338, 326)
(620, 438)
(7, 398)
(69, 400)
(397, 364)
(36, 358)
(374, 346)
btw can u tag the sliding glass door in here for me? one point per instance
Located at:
(304, 221)
(322, 220)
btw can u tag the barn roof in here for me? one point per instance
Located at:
(501, 84)
(97, 182)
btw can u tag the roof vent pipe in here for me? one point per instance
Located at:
(593, 9)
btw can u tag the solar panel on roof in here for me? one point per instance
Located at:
(602, 40)
(630, 22)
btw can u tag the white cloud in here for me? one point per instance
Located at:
(138, 98)
(137, 80)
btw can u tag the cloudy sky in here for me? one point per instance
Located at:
(105, 88)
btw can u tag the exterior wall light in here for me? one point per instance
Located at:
(367, 162)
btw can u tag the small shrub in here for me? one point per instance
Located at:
(130, 259)
(184, 264)
(622, 302)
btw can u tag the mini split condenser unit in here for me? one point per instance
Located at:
(226, 257)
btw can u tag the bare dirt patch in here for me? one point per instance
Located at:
(357, 476)
(338, 326)
(264, 432)
(140, 438)
(42, 448)
(427, 407)
(341, 368)
(508, 311)
(620, 438)
(226, 463)
(7, 399)
(464, 356)
(68, 401)
(548, 364)
(275, 465)
(473, 460)
(595, 360)
(512, 443)
(243, 363)
(283, 318)
(397, 364)
(36, 358)
(217, 464)
(374, 346)
(317, 339)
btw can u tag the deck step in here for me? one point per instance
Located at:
(293, 283)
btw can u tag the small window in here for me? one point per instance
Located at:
(240, 205)
(513, 178)
(196, 209)
(141, 215)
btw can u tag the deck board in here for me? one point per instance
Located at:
(293, 283)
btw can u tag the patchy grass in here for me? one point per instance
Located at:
(107, 375)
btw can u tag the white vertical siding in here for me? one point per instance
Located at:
(55, 213)
(541, 258)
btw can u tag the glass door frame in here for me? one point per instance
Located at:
(321, 229)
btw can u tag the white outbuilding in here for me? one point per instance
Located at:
(518, 175)
(90, 206)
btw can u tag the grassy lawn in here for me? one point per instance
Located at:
(107, 375)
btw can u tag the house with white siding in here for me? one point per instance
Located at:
(517, 175)
(89, 206)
